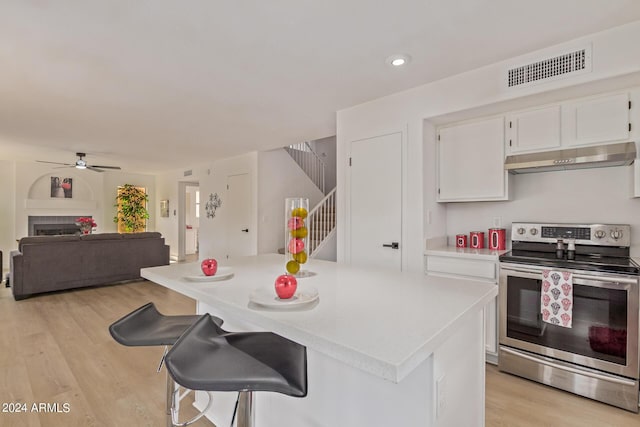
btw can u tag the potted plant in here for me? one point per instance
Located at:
(131, 207)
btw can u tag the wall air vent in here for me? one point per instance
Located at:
(188, 173)
(568, 64)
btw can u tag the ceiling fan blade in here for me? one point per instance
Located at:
(106, 167)
(93, 168)
(65, 167)
(55, 163)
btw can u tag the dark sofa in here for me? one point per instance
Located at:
(53, 263)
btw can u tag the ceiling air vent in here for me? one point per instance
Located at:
(565, 65)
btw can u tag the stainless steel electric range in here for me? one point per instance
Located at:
(596, 355)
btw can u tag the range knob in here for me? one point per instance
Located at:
(533, 231)
(616, 234)
(521, 230)
(600, 234)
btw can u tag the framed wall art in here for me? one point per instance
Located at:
(164, 208)
(61, 187)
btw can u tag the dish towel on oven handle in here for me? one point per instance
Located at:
(556, 299)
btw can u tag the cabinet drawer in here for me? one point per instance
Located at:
(462, 267)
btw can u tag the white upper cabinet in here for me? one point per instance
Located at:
(534, 130)
(596, 120)
(471, 161)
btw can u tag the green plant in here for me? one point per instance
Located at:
(131, 207)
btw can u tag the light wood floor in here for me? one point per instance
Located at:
(56, 348)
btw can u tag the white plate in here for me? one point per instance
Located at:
(221, 274)
(267, 297)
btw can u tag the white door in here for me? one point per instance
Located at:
(238, 213)
(376, 202)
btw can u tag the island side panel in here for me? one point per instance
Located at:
(459, 375)
(340, 395)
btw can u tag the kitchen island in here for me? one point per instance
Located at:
(383, 348)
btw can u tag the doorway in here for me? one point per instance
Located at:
(188, 220)
(375, 202)
(240, 232)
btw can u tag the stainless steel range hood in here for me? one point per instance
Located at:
(599, 156)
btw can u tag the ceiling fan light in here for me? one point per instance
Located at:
(81, 164)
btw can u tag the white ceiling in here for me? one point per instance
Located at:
(163, 84)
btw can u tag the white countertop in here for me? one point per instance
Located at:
(382, 322)
(452, 251)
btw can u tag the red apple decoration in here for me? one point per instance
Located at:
(209, 266)
(286, 286)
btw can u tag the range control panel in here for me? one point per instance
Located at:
(583, 234)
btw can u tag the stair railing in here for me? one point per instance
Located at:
(321, 221)
(310, 163)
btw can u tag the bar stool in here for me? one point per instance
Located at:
(208, 358)
(146, 326)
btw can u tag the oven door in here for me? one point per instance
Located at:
(604, 334)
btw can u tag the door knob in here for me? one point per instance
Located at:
(393, 245)
(245, 230)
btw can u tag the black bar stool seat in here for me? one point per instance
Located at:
(207, 358)
(146, 326)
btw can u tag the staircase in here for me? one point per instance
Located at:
(321, 220)
(310, 163)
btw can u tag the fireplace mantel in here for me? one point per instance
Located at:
(55, 203)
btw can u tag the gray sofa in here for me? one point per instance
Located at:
(53, 263)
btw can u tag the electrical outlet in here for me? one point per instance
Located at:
(497, 221)
(441, 400)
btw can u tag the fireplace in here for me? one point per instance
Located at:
(53, 225)
(55, 229)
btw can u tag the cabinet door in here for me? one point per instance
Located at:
(534, 130)
(471, 162)
(597, 120)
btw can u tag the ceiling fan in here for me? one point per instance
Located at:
(81, 163)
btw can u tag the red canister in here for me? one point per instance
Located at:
(476, 239)
(461, 240)
(497, 239)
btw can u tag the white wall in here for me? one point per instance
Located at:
(279, 177)
(582, 196)
(326, 149)
(7, 210)
(167, 189)
(478, 92)
(213, 238)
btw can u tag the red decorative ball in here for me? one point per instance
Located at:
(296, 245)
(295, 223)
(286, 286)
(209, 266)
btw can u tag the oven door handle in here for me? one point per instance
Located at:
(533, 274)
(545, 361)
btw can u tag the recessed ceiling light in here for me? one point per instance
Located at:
(398, 60)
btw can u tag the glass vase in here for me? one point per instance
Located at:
(296, 237)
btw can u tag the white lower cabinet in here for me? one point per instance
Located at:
(485, 269)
